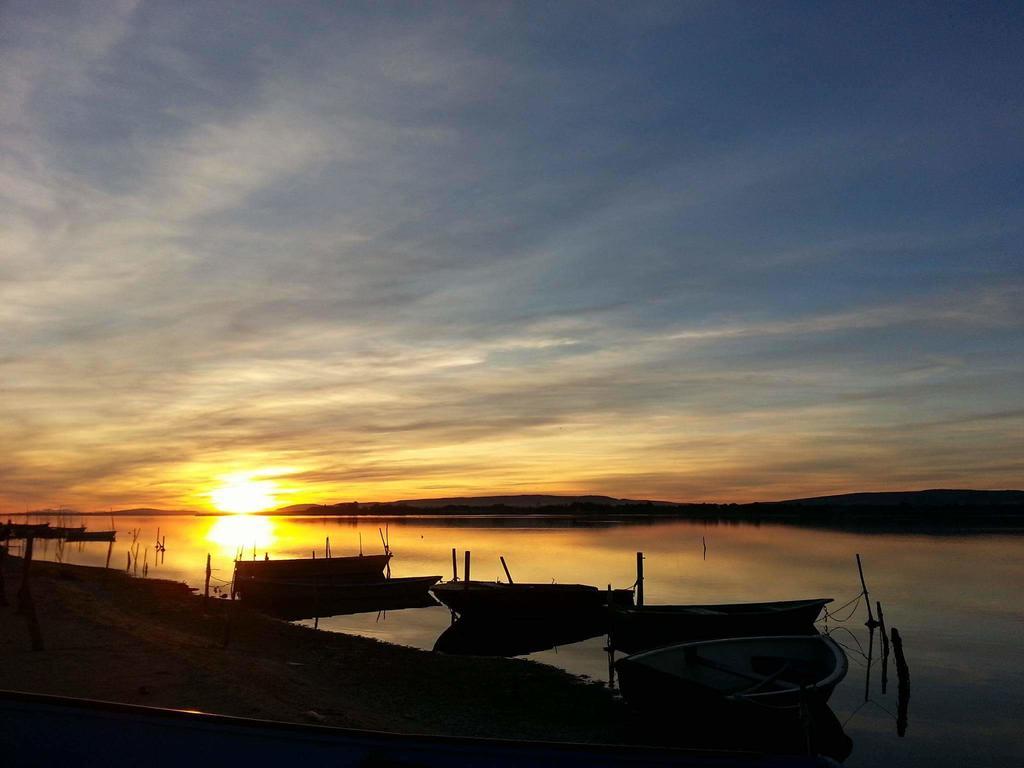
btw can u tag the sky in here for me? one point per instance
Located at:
(343, 251)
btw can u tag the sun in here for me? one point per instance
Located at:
(240, 494)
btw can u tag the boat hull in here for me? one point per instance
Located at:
(766, 674)
(307, 599)
(646, 627)
(476, 599)
(359, 567)
(51, 730)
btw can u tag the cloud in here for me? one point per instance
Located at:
(442, 253)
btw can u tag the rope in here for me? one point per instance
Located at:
(859, 650)
(831, 615)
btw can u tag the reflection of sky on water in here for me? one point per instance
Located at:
(954, 599)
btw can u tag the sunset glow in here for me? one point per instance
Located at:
(412, 252)
(244, 495)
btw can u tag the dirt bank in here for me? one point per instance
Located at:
(146, 641)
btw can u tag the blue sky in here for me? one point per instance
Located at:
(694, 251)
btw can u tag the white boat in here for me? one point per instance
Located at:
(777, 673)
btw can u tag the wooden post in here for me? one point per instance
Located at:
(327, 547)
(871, 653)
(26, 606)
(903, 681)
(885, 648)
(465, 570)
(867, 599)
(3, 589)
(110, 551)
(206, 587)
(455, 566)
(639, 579)
(507, 574)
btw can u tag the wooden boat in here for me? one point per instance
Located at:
(492, 636)
(769, 673)
(24, 530)
(52, 730)
(293, 599)
(484, 598)
(324, 569)
(84, 535)
(653, 626)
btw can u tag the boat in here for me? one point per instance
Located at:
(653, 626)
(84, 535)
(40, 729)
(525, 600)
(767, 673)
(517, 637)
(293, 599)
(323, 569)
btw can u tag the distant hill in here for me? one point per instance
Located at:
(936, 497)
(527, 501)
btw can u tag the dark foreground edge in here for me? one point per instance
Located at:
(37, 729)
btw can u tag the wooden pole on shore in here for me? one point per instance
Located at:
(639, 579)
(206, 587)
(507, 574)
(26, 605)
(867, 599)
(465, 569)
(3, 588)
(455, 566)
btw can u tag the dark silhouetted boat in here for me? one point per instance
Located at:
(653, 626)
(766, 673)
(84, 535)
(474, 599)
(324, 569)
(37, 729)
(293, 599)
(497, 637)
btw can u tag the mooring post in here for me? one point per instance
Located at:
(867, 599)
(206, 587)
(110, 551)
(885, 648)
(455, 566)
(903, 683)
(26, 606)
(465, 570)
(639, 579)
(327, 547)
(507, 574)
(3, 589)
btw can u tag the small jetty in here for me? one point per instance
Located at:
(15, 531)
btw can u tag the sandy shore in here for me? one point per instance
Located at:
(146, 641)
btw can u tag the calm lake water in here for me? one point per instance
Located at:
(956, 600)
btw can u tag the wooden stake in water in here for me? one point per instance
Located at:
(455, 566)
(206, 587)
(465, 569)
(507, 574)
(640, 579)
(867, 599)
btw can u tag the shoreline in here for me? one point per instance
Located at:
(111, 637)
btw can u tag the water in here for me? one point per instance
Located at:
(956, 600)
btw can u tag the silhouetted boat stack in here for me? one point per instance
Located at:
(328, 586)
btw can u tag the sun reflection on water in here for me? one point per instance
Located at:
(234, 532)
